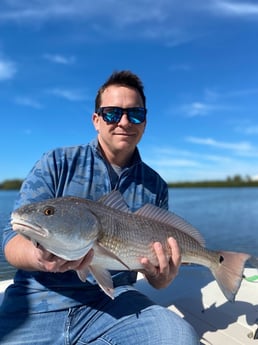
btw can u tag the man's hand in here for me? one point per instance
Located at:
(23, 254)
(161, 276)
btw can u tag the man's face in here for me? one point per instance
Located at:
(121, 137)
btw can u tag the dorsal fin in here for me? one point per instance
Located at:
(115, 200)
(153, 212)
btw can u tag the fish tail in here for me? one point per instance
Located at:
(229, 272)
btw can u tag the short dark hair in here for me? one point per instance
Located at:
(123, 78)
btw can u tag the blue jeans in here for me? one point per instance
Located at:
(129, 319)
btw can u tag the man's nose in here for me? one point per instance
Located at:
(124, 120)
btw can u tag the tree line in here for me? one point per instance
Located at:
(11, 184)
(235, 181)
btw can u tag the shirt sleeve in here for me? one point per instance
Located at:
(164, 199)
(39, 185)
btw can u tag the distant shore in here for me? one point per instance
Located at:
(14, 184)
(213, 184)
(236, 181)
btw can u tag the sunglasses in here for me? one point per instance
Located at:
(135, 115)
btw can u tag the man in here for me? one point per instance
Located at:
(48, 304)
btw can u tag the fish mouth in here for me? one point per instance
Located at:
(26, 228)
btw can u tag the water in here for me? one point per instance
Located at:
(6, 205)
(226, 217)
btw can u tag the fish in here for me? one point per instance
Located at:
(70, 226)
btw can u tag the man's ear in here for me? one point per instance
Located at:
(95, 120)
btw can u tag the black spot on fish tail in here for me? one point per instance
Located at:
(221, 259)
(229, 272)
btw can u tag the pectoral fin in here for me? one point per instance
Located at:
(103, 278)
(103, 260)
(104, 257)
(82, 274)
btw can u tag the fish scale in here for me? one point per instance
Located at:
(137, 237)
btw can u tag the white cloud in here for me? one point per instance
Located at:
(229, 94)
(249, 130)
(164, 16)
(218, 100)
(239, 147)
(28, 102)
(131, 12)
(201, 108)
(237, 8)
(7, 69)
(197, 109)
(48, 9)
(167, 162)
(168, 156)
(60, 59)
(18, 10)
(192, 165)
(176, 22)
(70, 95)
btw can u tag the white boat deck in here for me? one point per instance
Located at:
(197, 298)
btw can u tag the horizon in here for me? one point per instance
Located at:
(237, 178)
(197, 61)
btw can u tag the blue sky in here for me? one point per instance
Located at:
(197, 59)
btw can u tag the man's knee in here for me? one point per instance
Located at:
(172, 329)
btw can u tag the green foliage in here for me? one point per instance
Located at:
(11, 184)
(236, 181)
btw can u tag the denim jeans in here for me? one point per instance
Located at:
(129, 319)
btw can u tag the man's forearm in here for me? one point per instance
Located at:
(20, 253)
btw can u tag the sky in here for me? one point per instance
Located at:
(198, 61)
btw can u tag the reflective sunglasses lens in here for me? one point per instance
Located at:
(112, 116)
(136, 115)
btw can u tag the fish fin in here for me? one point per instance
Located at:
(229, 272)
(82, 274)
(164, 216)
(114, 200)
(101, 251)
(103, 278)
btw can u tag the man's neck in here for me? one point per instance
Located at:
(120, 159)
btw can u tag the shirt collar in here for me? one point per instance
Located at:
(135, 159)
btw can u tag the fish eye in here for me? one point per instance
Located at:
(49, 211)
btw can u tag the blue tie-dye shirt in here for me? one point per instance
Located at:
(83, 172)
